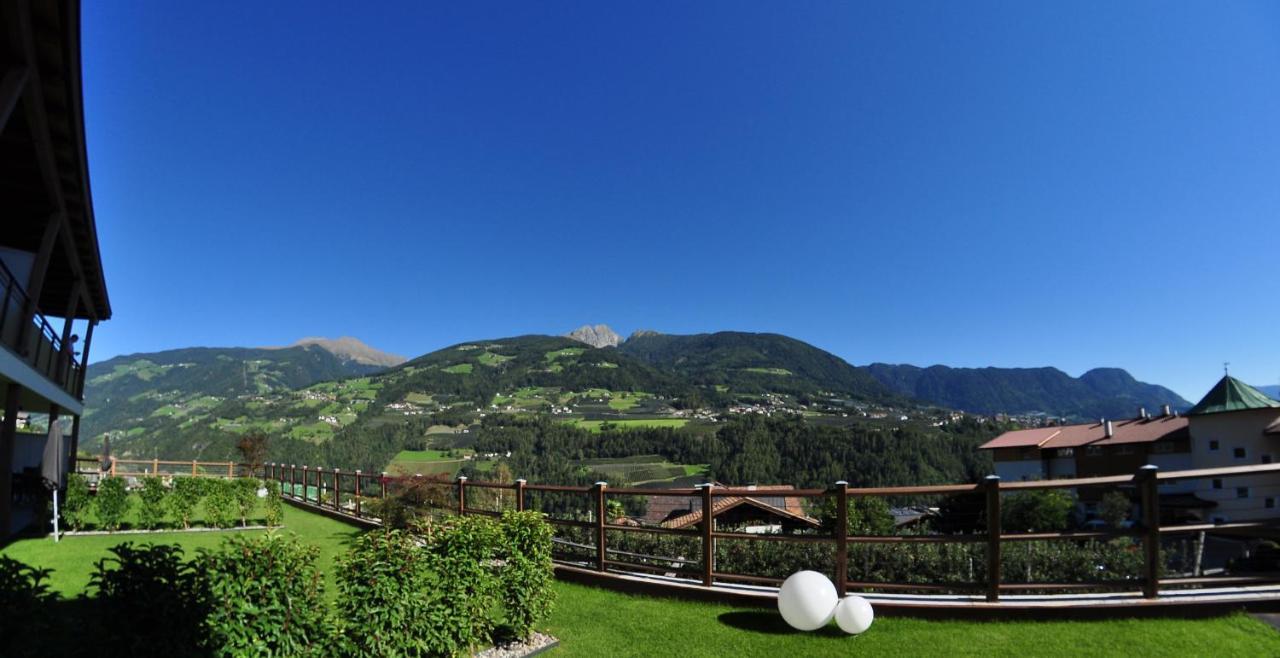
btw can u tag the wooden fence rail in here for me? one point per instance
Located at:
(347, 492)
(150, 467)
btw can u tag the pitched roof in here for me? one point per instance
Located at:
(1231, 394)
(729, 502)
(1133, 430)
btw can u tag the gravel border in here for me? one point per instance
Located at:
(536, 644)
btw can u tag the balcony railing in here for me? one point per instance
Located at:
(36, 343)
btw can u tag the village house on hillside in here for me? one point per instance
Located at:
(1234, 425)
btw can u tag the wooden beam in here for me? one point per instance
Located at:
(12, 86)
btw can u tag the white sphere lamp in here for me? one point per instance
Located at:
(854, 614)
(807, 600)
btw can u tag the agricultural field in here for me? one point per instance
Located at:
(459, 369)
(641, 469)
(596, 426)
(433, 462)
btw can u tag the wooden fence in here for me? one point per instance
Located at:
(348, 492)
(152, 467)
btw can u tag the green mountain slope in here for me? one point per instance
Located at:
(751, 362)
(140, 391)
(1099, 393)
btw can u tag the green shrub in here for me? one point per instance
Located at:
(75, 509)
(1038, 510)
(219, 503)
(25, 608)
(388, 601)
(528, 573)
(186, 495)
(112, 502)
(149, 600)
(151, 511)
(462, 549)
(273, 507)
(246, 495)
(265, 598)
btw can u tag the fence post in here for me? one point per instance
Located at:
(462, 495)
(155, 466)
(708, 542)
(193, 468)
(1146, 480)
(337, 490)
(520, 495)
(231, 472)
(842, 538)
(383, 480)
(305, 480)
(113, 466)
(600, 534)
(991, 484)
(357, 493)
(293, 480)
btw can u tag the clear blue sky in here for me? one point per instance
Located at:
(1011, 184)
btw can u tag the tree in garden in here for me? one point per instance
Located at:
(112, 502)
(386, 602)
(528, 573)
(75, 509)
(253, 451)
(1114, 508)
(246, 495)
(219, 503)
(1038, 510)
(151, 510)
(273, 507)
(186, 495)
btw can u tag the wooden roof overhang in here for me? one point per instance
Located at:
(45, 199)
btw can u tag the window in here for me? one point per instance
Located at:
(1213, 445)
(1239, 453)
(1065, 452)
(1271, 503)
(1124, 450)
(1266, 459)
(1093, 451)
(1242, 492)
(1217, 483)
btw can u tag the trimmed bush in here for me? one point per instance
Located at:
(149, 600)
(186, 495)
(111, 503)
(245, 491)
(219, 503)
(273, 506)
(265, 598)
(528, 573)
(462, 549)
(388, 602)
(151, 511)
(75, 509)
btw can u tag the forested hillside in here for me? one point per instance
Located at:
(1098, 393)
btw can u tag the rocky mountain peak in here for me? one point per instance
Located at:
(599, 335)
(353, 349)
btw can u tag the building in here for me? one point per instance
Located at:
(1236, 425)
(772, 511)
(51, 277)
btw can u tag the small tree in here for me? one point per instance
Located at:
(151, 512)
(186, 495)
(75, 509)
(387, 597)
(246, 494)
(219, 503)
(149, 599)
(273, 507)
(1113, 509)
(265, 598)
(1038, 510)
(253, 451)
(112, 502)
(528, 573)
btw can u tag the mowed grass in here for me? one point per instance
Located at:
(593, 622)
(594, 425)
(73, 558)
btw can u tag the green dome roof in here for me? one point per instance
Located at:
(1231, 394)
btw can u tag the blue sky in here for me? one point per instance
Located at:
(1010, 184)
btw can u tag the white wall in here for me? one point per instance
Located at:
(1232, 430)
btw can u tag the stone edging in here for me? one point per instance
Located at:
(93, 533)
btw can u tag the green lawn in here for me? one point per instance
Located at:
(596, 622)
(459, 369)
(594, 425)
(72, 558)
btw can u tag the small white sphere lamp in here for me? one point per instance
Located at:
(854, 614)
(807, 600)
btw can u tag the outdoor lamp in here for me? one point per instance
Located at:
(807, 600)
(854, 614)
